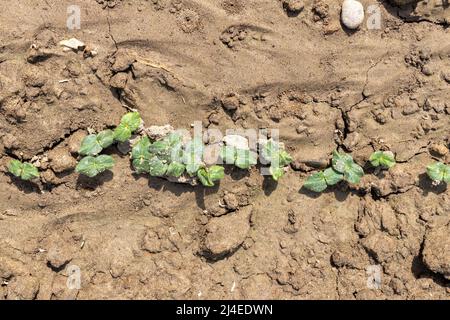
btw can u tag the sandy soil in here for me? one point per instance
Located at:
(180, 61)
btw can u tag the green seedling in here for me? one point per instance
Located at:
(93, 144)
(242, 159)
(23, 170)
(319, 181)
(156, 158)
(92, 166)
(383, 159)
(193, 155)
(130, 122)
(208, 176)
(439, 172)
(343, 163)
(277, 157)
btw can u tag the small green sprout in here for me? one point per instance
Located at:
(208, 176)
(193, 155)
(277, 157)
(384, 159)
(343, 163)
(23, 170)
(93, 144)
(439, 172)
(241, 158)
(130, 122)
(92, 166)
(156, 158)
(319, 181)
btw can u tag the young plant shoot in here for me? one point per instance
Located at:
(208, 176)
(93, 144)
(439, 172)
(23, 170)
(129, 123)
(243, 159)
(273, 153)
(383, 159)
(343, 168)
(92, 166)
(343, 163)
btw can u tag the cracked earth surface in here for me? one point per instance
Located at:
(180, 61)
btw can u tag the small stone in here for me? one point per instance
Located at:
(230, 103)
(426, 70)
(73, 44)
(294, 5)
(236, 141)
(439, 149)
(352, 14)
(225, 234)
(158, 132)
(74, 142)
(436, 249)
(61, 160)
(231, 201)
(119, 80)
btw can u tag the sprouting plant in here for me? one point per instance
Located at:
(23, 170)
(208, 176)
(163, 157)
(343, 163)
(93, 144)
(439, 172)
(241, 158)
(129, 123)
(319, 181)
(92, 166)
(193, 155)
(273, 153)
(383, 159)
(343, 168)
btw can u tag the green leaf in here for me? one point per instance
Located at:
(192, 168)
(157, 168)
(122, 133)
(216, 173)
(92, 166)
(284, 158)
(29, 172)
(343, 163)
(25, 171)
(208, 176)
(176, 169)
(316, 182)
(131, 120)
(140, 149)
(332, 177)
(90, 146)
(245, 159)
(141, 165)
(269, 151)
(386, 159)
(15, 167)
(204, 178)
(439, 172)
(228, 154)
(276, 172)
(193, 155)
(354, 173)
(105, 138)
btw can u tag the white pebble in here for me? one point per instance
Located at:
(236, 141)
(352, 14)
